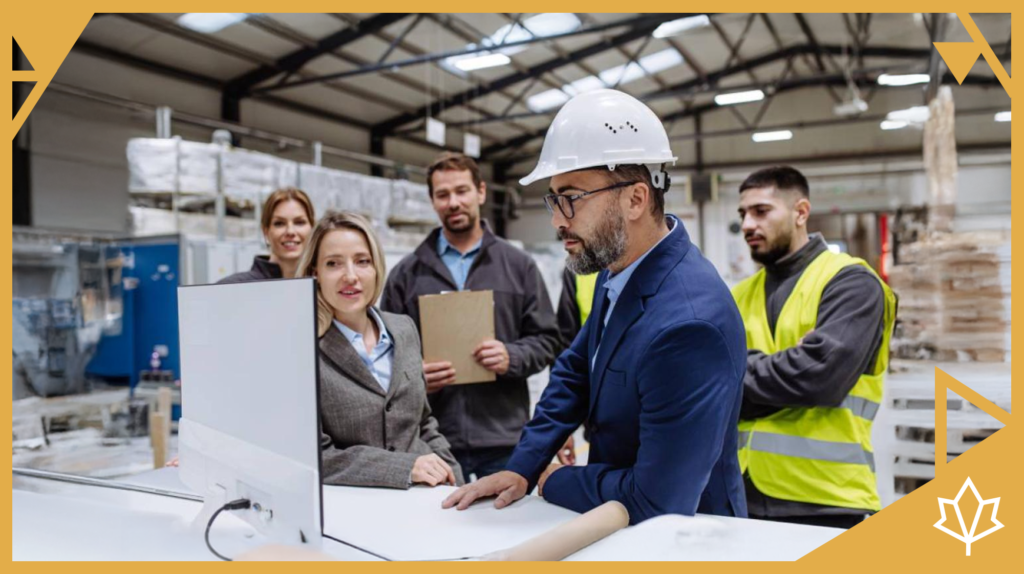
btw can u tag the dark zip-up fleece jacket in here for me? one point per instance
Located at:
(262, 270)
(485, 415)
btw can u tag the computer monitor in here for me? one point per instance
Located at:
(250, 426)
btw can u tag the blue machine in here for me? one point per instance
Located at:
(150, 320)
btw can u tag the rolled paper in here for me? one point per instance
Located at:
(569, 538)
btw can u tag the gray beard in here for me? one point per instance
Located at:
(607, 247)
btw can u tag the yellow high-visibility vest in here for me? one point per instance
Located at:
(820, 455)
(585, 285)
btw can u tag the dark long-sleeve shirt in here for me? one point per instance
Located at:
(485, 415)
(822, 370)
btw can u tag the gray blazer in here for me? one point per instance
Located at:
(369, 437)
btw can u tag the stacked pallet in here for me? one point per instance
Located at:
(904, 431)
(160, 167)
(954, 298)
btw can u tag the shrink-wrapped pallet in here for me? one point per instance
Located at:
(172, 165)
(252, 175)
(375, 197)
(410, 203)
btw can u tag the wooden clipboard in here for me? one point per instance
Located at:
(452, 325)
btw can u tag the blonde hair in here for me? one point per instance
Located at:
(280, 196)
(332, 221)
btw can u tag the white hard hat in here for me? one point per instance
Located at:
(603, 128)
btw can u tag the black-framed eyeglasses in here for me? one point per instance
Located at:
(566, 203)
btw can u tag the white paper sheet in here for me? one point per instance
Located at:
(411, 525)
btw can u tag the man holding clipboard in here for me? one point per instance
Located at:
(482, 420)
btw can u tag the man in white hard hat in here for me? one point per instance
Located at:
(656, 373)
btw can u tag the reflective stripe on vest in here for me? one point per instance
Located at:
(820, 455)
(848, 453)
(585, 285)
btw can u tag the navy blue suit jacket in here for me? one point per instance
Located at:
(662, 401)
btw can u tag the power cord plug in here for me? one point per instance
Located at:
(240, 504)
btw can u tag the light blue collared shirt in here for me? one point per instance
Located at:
(617, 283)
(458, 264)
(378, 361)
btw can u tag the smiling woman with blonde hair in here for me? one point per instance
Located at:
(287, 219)
(376, 426)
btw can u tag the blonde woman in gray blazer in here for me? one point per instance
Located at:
(376, 426)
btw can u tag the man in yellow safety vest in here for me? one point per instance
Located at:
(818, 325)
(574, 304)
(573, 309)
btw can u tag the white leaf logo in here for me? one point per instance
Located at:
(969, 536)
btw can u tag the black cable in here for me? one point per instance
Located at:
(240, 504)
(350, 545)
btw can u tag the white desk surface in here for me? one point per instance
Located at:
(61, 521)
(98, 523)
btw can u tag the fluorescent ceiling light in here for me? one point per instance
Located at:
(1003, 117)
(914, 115)
(661, 61)
(537, 26)
(582, 85)
(675, 27)
(739, 97)
(893, 124)
(481, 62)
(614, 76)
(648, 65)
(623, 74)
(902, 79)
(549, 24)
(209, 23)
(778, 136)
(546, 100)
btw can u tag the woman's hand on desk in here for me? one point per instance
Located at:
(506, 485)
(432, 470)
(438, 375)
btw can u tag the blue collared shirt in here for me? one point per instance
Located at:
(617, 283)
(379, 360)
(458, 264)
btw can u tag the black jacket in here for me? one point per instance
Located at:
(488, 414)
(262, 270)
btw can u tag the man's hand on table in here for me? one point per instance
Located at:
(506, 485)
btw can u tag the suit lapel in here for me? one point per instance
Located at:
(339, 351)
(627, 311)
(403, 360)
(645, 283)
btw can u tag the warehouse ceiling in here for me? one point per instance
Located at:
(389, 73)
